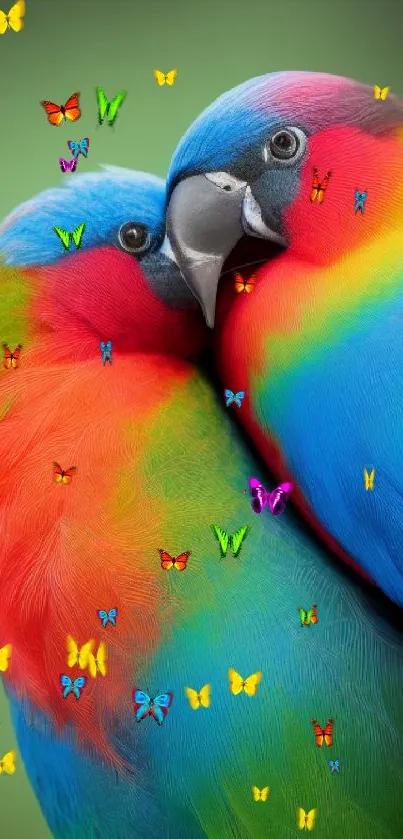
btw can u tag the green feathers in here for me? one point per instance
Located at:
(234, 542)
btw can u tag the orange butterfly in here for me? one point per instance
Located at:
(168, 561)
(11, 359)
(323, 734)
(56, 113)
(244, 285)
(319, 189)
(62, 476)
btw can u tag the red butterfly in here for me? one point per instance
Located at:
(62, 476)
(168, 561)
(11, 359)
(319, 187)
(244, 285)
(56, 113)
(323, 734)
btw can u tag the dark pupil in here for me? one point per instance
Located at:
(283, 141)
(135, 237)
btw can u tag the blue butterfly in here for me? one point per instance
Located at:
(360, 198)
(75, 686)
(80, 147)
(106, 350)
(108, 617)
(144, 706)
(334, 766)
(231, 397)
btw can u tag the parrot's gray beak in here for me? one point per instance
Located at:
(206, 217)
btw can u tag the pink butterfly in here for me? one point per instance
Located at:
(261, 498)
(68, 165)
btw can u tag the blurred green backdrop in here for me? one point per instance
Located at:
(215, 44)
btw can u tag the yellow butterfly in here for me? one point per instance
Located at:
(13, 19)
(306, 821)
(97, 664)
(5, 655)
(238, 683)
(260, 794)
(75, 655)
(381, 92)
(165, 78)
(7, 763)
(201, 699)
(369, 479)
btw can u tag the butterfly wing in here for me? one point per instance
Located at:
(67, 476)
(256, 793)
(142, 703)
(258, 495)
(78, 685)
(103, 104)
(250, 284)
(193, 697)
(84, 146)
(15, 16)
(64, 166)
(166, 559)
(5, 656)
(101, 658)
(170, 77)
(229, 397)
(112, 615)
(205, 696)
(160, 705)
(159, 77)
(313, 614)
(238, 398)
(84, 654)
(67, 684)
(223, 539)
(264, 793)
(238, 538)
(7, 356)
(251, 683)
(114, 106)
(315, 184)
(104, 617)
(63, 236)
(180, 561)
(323, 187)
(77, 234)
(377, 91)
(304, 616)
(74, 147)
(72, 652)
(54, 112)
(328, 733)
(301, 818)
(236, 681)
(319, 733)
(8, 763)
(384, 93)
(239, 282)
(72, 110)
(310, 819)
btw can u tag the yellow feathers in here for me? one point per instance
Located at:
(260, 794)
(13, 19)
(306, 821)
(77, 655)
(369, 479)
(165, 78)
(381, 92)
(5, 655)
(97, 664)
(238, 683)
(201, 699)
(7, 763)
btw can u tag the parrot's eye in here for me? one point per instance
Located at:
(134, 237)
(286, 144)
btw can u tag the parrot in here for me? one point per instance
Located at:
(312, 165)
(141, 588)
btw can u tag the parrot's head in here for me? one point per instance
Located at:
(121, 282)
(250, 162)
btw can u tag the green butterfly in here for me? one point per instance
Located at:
(110, 109)
(67, 238)
(308, 617)
(234, 542)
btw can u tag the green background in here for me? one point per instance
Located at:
(215, 44)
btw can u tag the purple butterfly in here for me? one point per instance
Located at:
(68, 165)
(276, 500)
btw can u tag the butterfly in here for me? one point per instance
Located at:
(5, 656)
(323, 734)
(238, 683)
(165, 78)
(108, 617)
(244, 285)
(275, 500)
(234, 542)
(369, 479)
(144, 706)
(231, 397)
(109, 110)
(79, 148)
(334, 766)
(61, 476)
(78, 655)
(106, 350)
(360, 198)
(67, 238)
(56, 113)
(319, 189)
(201, 699)
(68, 165)
(308, 617)
(260, 794)
(168, 561)
(97, 663)
(70, 686)
(13, 19)
(12, 359)
(7, 763)
(381, 92)
(306, 820)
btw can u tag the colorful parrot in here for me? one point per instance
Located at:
(158, 463)
(317, 346)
